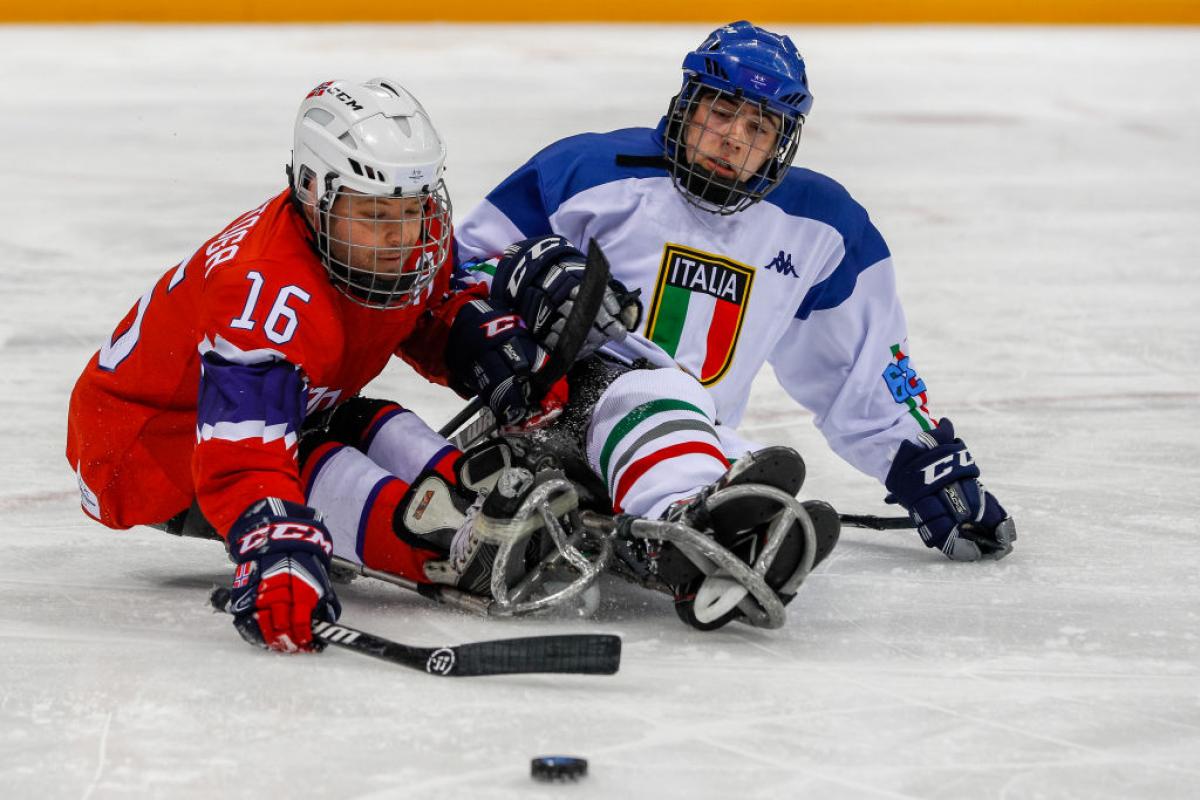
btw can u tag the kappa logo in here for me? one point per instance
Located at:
(782, 264)
(441, 661)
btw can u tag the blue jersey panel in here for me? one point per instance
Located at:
(271, 393)
(805, 193)
(864, 251)
(534, 192)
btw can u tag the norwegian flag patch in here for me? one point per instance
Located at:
(319, 89)
(241, 578)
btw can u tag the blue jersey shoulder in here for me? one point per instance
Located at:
(809, 194)
(578, 163)
(600, 146)
(582, 162)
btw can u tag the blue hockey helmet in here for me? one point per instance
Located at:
(755, 73)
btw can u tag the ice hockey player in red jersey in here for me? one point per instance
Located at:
(190, 416)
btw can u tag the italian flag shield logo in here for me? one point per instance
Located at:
(699, 303)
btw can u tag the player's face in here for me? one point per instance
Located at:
(374, 234)
(730, 138)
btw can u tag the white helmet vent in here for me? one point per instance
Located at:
(365, 170)
(319, 116)
(383, 84)
(348, 140)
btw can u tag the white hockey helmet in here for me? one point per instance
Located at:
(372, 139)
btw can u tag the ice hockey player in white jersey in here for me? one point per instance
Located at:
(740, 259)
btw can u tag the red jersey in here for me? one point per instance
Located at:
(201, 390)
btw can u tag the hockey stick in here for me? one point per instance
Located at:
(471, 409)
(877, 523)
(574, 335)
(579, 654)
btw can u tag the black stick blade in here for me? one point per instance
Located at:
(581, 654)
(877, 523)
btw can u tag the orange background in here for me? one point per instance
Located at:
(666, 11)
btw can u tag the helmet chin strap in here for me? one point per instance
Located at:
(706, 184)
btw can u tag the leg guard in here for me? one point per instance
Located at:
(386, 484)
(394, 438)
(435, 507)
(652, 440)
(360, 502)
(380, 519)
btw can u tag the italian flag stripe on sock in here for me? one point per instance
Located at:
(635, 418)
(640, 467)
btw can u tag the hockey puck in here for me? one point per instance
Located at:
(557, 768)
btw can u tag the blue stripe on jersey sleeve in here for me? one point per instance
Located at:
(865, 251)
(805, 193)
(534, 192)
(519, 197)
(271, 393)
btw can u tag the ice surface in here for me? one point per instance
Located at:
(1040, 190)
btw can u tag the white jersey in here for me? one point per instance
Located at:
(802, 280)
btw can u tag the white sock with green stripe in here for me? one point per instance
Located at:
(652, 440)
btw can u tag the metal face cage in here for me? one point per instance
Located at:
(381, 251)
(726, 150)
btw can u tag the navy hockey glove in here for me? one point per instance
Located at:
(938, 483)
(281, 585)
(491, 354)
(539, 278)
